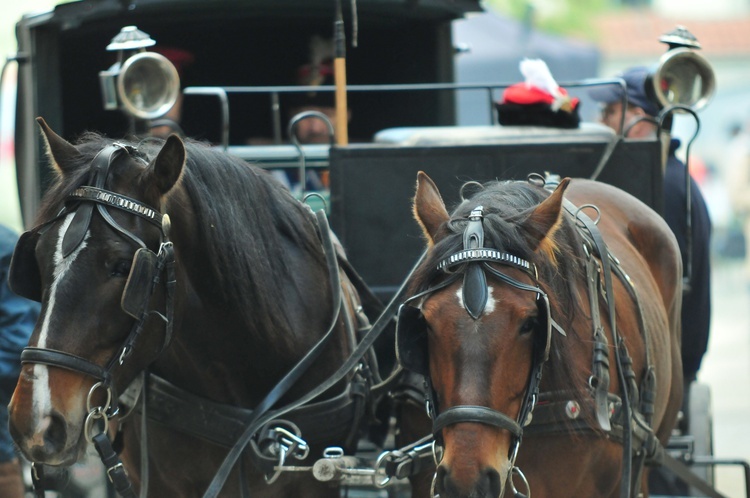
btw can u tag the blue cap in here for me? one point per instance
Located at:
(635, 80)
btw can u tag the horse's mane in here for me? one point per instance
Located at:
(243, 218)
(505, 206)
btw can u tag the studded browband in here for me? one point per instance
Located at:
(101, 196)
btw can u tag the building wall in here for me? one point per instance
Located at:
(701, 9)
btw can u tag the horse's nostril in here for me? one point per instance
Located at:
(493, 483)
(55, 434)
(440, 476)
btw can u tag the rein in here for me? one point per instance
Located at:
(262, 414)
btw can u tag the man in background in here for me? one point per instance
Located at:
(317, 72)
(696, 301)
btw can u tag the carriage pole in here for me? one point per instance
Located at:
(339, 73)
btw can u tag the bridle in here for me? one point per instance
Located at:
(473, 263)
(145, 275)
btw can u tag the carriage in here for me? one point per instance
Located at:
(232, 91)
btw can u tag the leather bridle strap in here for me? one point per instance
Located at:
(601, 248)
(67, 361)
(477, 414)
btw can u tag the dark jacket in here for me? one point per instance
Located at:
(696, 300)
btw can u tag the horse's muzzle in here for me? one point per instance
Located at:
(486, 484)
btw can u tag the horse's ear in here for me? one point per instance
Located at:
(541, 225)
(166, 168)
(429, 208)
(61, 153)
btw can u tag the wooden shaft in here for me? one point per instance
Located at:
(342, 111)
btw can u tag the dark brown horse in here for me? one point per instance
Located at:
(512, 320)
(218, 300)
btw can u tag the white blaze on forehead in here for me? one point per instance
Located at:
(488, 308)
(41, 398)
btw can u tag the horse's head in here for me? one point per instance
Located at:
(479, 327)
(97, 261)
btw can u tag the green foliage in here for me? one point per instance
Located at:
(564, 17)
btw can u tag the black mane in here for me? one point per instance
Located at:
(243, 218)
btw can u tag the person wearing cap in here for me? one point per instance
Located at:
(318, 72)
(639, 123)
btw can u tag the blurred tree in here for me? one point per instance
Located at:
(564, 17)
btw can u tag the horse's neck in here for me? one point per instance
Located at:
(216, 349)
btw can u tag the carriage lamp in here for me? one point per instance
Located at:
(141, 83)
(682, 76)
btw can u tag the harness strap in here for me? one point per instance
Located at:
(119, 201)
(115, 470)
(600, 363)
(67, 361)
(601, 249)
(221, 423)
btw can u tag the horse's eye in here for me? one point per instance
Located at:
(121, 268)
(529, 325)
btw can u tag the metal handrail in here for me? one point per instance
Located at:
(275, 91)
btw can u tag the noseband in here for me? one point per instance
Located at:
(473, 263)
(145, 271)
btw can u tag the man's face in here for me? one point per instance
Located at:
(313, 130)
(611, 115)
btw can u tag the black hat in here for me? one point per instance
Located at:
(538, 101)
(636, 79)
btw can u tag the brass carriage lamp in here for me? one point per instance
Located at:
(683, 76)
(143, 84)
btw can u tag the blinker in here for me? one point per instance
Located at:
(77, 229)
(138, 287)
(24, 277)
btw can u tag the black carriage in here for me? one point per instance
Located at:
(240, 85)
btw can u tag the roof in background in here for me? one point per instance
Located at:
(636, 33)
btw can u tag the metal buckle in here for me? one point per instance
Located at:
(286, 444)
(117, 466)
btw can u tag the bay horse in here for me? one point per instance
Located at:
(176, 259)
(549, 316)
